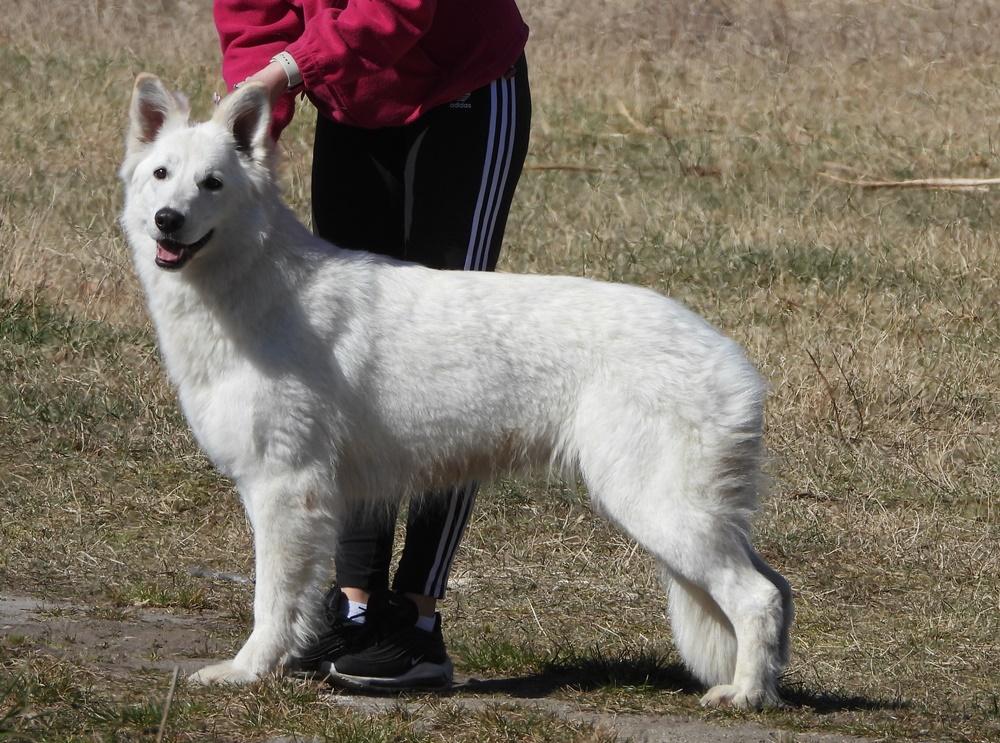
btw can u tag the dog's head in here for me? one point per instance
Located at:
(183, 181)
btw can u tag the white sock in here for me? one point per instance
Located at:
(356, 611)
(426, 623)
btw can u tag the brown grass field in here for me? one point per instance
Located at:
(676, 144)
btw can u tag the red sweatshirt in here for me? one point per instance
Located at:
(372, 63)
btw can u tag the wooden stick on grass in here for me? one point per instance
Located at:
(166, 706)
(947, 184)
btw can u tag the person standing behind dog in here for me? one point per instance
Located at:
(422, 129)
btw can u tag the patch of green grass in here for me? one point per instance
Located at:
(175, 593)
(496, 655)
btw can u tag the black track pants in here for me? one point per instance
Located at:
(436, 192)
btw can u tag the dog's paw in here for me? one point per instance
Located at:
(222, 673)
(729, 695)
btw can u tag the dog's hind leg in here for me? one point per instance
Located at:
(291, 534)
(730, 619)
(684, 491)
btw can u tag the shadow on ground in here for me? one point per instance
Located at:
(652, 672)
(829, 702)
(588, 673)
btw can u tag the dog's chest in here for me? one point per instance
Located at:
(223, 419)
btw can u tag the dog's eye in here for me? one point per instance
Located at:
(160, 173)
(212, 183)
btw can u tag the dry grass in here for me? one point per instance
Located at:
(686, 139)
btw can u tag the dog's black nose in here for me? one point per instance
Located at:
(168, 220)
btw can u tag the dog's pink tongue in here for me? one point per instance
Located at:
(166, 255)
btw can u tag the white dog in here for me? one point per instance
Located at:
(317, 378)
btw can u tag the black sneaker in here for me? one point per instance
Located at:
(403, 656)
(341, 636)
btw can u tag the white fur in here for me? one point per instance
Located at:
(319, 378)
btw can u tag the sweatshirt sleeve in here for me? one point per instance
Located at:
(251, 32)
(342, 45)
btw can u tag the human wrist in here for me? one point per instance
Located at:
(290, 67)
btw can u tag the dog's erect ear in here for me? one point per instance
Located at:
(246, 113)
(153, 108)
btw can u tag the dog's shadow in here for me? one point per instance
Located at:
(647, 673)
(825, 703)
(587, 672)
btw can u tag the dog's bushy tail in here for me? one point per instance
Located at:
(702, 633)
(730, 448)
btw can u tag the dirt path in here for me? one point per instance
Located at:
(117, 641)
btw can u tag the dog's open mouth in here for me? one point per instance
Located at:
(172, 254)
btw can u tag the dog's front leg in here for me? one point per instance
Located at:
(288, 532)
